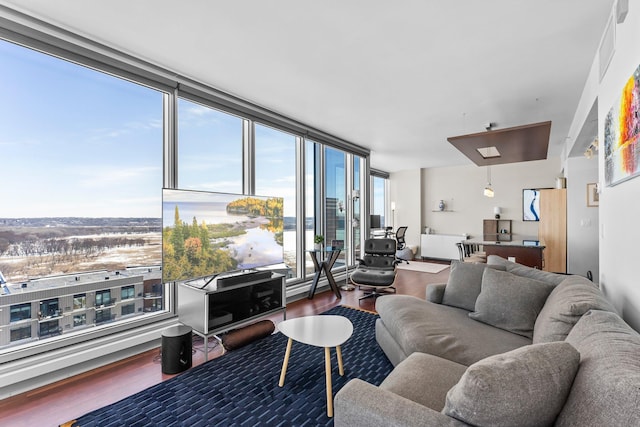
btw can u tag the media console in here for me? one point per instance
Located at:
(212, 306)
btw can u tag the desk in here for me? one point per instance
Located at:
(328, 258)
(525, 252)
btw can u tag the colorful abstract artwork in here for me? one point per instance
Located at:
(622, 134)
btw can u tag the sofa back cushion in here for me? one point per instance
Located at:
(523, 387)
(464, 284)
(525, 271)
(566, 304)
(606, 390)
(510, 302)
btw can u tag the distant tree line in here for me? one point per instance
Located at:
(86, 247)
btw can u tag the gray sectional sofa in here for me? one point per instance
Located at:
(500, 344)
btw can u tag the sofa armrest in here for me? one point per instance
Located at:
(359, 403)
(435, 292)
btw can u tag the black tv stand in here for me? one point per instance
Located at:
(229, 302)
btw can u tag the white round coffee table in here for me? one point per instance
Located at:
(319, 331)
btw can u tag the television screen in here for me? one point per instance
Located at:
(206, 233)
(531, 204)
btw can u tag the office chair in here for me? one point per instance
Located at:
(402, 252)
(377, 268)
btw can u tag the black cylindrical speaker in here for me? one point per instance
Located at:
(176, 349)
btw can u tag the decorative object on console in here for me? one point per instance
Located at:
(497, 211)
(318, 240)
(441, 205)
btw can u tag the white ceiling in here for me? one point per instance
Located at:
(397, 77)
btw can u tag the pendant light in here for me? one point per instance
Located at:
(488, 190)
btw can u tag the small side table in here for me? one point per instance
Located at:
(327, 257)
(319, 331)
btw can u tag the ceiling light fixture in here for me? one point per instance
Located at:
(488, 190)
(592, 149)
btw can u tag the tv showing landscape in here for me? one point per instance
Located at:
(207, 233)
(530, 204)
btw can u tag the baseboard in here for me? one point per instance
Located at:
(27, 374)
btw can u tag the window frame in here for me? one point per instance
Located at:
(32, 33)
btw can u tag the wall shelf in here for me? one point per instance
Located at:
(445, 210)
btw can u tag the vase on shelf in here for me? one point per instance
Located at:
(441, 205)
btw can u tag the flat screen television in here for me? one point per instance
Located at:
(206, 233)
(531, 204)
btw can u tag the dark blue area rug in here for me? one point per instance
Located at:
(241, 387)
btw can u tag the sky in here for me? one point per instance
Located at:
(78, 142)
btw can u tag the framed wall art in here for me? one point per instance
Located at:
(593, 197)
(622, 134)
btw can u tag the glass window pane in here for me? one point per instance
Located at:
(276, 176)
(310, 201)
(378, 200)
(357, 226)
(335, 212)
(209, 149)
(84, 152)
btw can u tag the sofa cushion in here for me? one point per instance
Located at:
(440, 330)
(566, 304)
(464, 284)
(606, 390)
(524, 387)
(525, 271)
(424, 379)
(510, 302)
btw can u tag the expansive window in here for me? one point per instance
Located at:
(209, 149)
(88, 145)
(275, 165)
(84, 152)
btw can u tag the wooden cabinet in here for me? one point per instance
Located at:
(552, 229)
(496, 230)
(531, 256)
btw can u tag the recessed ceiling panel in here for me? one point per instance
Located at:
(516, 144)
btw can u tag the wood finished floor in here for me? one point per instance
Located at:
(69, 399)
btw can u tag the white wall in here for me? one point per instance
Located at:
(582, 221)
(620, 205)
(405, 191)
(461, 188)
